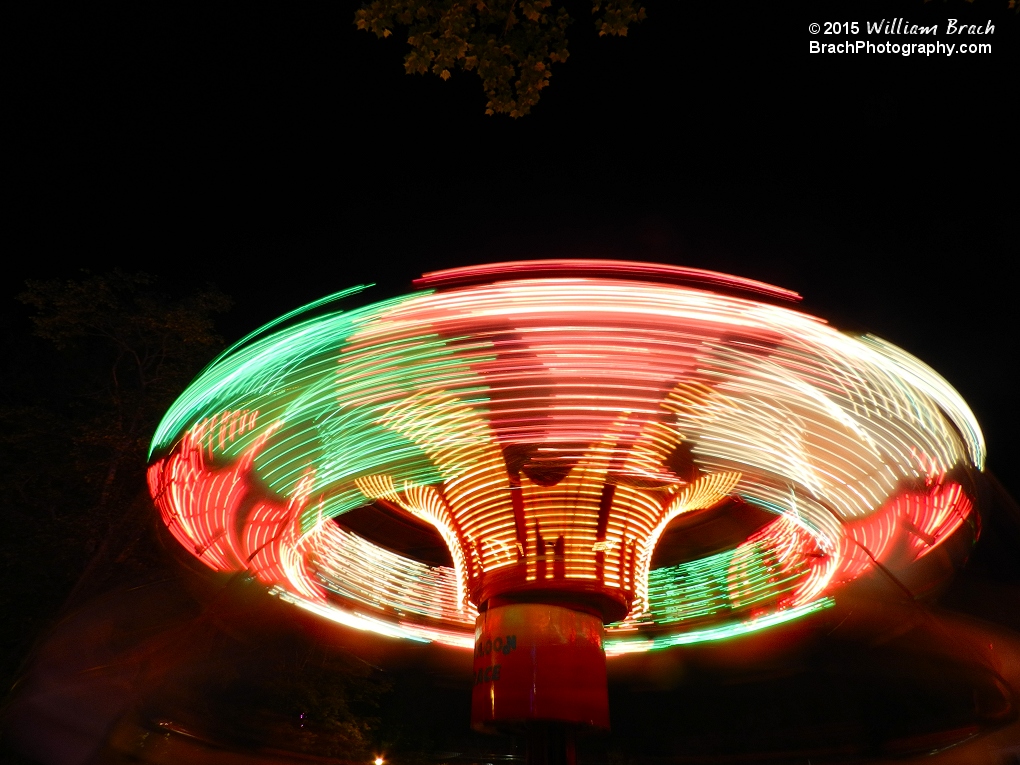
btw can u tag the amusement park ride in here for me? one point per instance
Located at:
(569, 429)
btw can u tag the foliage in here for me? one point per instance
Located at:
(78, 404)
(132, 350)
(511, 45)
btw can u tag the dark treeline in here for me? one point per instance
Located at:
(91, 578)
(91, 365)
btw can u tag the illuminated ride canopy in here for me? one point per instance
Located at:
(554, 421)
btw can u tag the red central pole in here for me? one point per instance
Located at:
(540, 669)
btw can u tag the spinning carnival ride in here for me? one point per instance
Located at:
(618, 457)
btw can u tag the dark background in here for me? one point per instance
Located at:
(277, 152)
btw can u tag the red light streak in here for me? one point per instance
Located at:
(550, 427)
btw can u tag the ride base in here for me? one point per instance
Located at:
(539, 670)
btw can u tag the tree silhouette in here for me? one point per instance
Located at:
(131, 351)
(78, 404)
(510, 45)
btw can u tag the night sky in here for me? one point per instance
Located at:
(281, 154)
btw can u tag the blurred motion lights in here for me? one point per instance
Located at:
(560, 424)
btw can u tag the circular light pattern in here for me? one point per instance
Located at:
(553, 421)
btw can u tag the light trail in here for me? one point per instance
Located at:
(550, 420)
